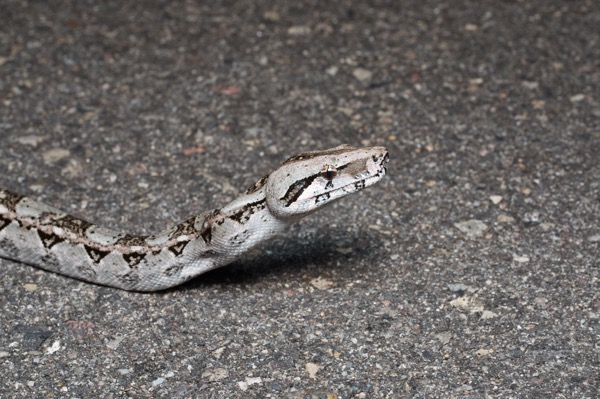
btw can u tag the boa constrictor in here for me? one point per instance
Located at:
(43, 236)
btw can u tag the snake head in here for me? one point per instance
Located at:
(311, 180)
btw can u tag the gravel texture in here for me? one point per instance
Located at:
(470, 271)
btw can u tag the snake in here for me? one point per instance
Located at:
(40, 235)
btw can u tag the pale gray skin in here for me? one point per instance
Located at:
(42, 236)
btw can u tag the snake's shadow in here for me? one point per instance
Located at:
(283, 256)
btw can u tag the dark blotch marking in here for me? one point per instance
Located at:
(176, 269)
(48, 239)
(133, 259)
(359, 185)
(130, 278)
(10, 199)
(4, 222)
(96, 255)
(73, 224)
(86, 272)
(313, 154)
(239, 239)
(206, 234)
(129, 240)
(213, 219)
(51, 259)
(322, 198)
(178, 248)
(257, 186)
(185, 228)
(342, 167)
(297, 188)
(244, 214)
(209, 253)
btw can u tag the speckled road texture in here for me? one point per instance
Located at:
(471, 271)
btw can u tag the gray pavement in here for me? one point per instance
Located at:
(470, 271)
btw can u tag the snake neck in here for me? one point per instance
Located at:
(240, 225)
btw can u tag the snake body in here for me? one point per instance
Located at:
(40, 235)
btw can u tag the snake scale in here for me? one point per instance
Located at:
(43, 236)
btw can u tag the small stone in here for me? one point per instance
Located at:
(54, 155)
(123, 371)
(531, 218)
(298, 30)
(460, 287)
(540, 300)
(312, 369)
(321, 283)
(594, 238)
(505, 219)
(496, 199)
(271, 16)
(473, 228)
(577, 98)
(488, 314)
(215, 374)
(483, 352)
(362, 74)
(332, 70)
(467, 304)
(55, 347)
(32, 140)
(30, 287)
(158, 381)
(343, 250)
(444, 337)
(520, 259)
(115, 343)
(530, 84)
(548, 226)
(218, 352)
(249, 381)
(538, 104)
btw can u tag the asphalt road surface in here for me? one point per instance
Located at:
(470, 271)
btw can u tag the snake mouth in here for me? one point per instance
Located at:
(357, 185)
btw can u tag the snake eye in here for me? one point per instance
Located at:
(328, 172)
